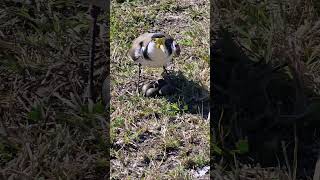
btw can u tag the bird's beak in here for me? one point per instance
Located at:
(162, 48)
(159, 42)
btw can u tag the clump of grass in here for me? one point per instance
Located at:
(7, 151)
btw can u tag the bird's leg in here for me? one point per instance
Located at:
(167, 74)
(165, 70)
(139, 74)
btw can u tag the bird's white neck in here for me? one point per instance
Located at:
(159, 56)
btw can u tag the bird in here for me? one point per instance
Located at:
(153, 50)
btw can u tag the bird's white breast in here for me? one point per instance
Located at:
(158, 57)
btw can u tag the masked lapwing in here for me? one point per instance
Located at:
(153, 50)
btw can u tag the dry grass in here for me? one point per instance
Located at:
(272, 33)
(48, 129)
(164, 137)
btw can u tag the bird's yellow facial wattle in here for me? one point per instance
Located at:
(159, 42)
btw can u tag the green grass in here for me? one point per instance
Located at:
(159, 128)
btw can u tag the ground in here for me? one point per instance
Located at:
(48, 128)
(162, 137)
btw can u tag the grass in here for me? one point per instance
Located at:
(160, 137)
(48, 128)
(272, 33)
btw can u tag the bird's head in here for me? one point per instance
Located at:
(166, 43)
(159, 42)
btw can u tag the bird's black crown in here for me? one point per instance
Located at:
(157, 36)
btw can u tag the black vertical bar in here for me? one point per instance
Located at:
(94, 14)
(212, 114)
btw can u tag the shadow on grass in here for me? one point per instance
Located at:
(259, 102)
(191, 96)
